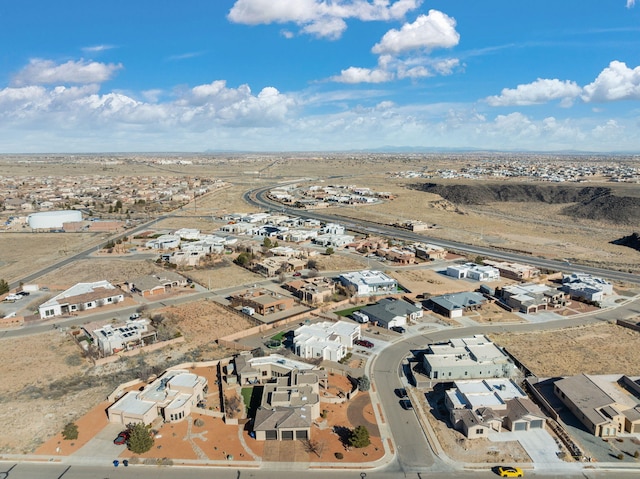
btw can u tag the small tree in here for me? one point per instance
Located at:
(364, 384)
(70, 431)
(267, 243)
(4, 286)
(329, 251)
(140, 439)
(359, 437)
(312, 264)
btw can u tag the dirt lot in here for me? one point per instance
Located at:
(24, 253)
(420, 281)
(113, 269)
(585, 349)
(225, 275)
(203, 322)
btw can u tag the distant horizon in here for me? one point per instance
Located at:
(382, 150)
(320, 76)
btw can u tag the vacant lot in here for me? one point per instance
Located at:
(25, 253)
(602, 348)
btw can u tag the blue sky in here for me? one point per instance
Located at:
(319, 75)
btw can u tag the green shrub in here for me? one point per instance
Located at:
(70, 432)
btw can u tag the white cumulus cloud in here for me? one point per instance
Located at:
(616, 82)
(47, 72)
(363, 75)
(428, 32)
(540, 91)
(321, 18)
(631, 3)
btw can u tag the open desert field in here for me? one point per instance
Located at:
(585, 349)
(25, 253)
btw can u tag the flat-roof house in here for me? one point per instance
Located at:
(80, 297)
(172, 397)
(368, 282)
(389, 312)
(533, 297)
(598, 410)
(455, 305)
(111, 339)
(325, 340)
(164, 242)
(260, 370)
(515, 271)
(467, 358)
(264, 301)
(430, 251)
(478, 406)
(312, 290)
(585, 286)
(473, 271)
(288, 407)
(153, 284)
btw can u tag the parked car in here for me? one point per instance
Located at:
(365, 343)
(121, 439)
(297, 273)
(509, 471)
(401, 392)
(406, 404)
(134, 316)
(398, 329)
(23, 293)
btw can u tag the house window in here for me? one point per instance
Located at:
(264, 373)
(479, 431)
(89, 305)
(109, 300)
(466, 373)
(73, 307)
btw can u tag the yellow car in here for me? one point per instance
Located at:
(507, 471)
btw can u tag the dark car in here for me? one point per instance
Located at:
(24, 293)
(121, 439)
(398, 329)
(406, 404)
(364, 342)
(401, 392)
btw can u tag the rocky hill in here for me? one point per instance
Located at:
(599, 203)
(632, 241)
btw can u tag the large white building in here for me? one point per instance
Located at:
(580, 285)
(53, 219)
(325, 340)
(81, 297)
(473, 271)
(467, 358)
(369, 282)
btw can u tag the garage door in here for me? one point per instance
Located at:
(287, 435)
(520, 426)
(271, 435)
(537, 424)
(301, 434)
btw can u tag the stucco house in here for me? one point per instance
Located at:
(81, 297)
(171, 397)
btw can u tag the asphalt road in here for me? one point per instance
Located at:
(9, 470)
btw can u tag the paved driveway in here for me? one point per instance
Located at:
(102, 446)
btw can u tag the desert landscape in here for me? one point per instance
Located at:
(63, 385)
